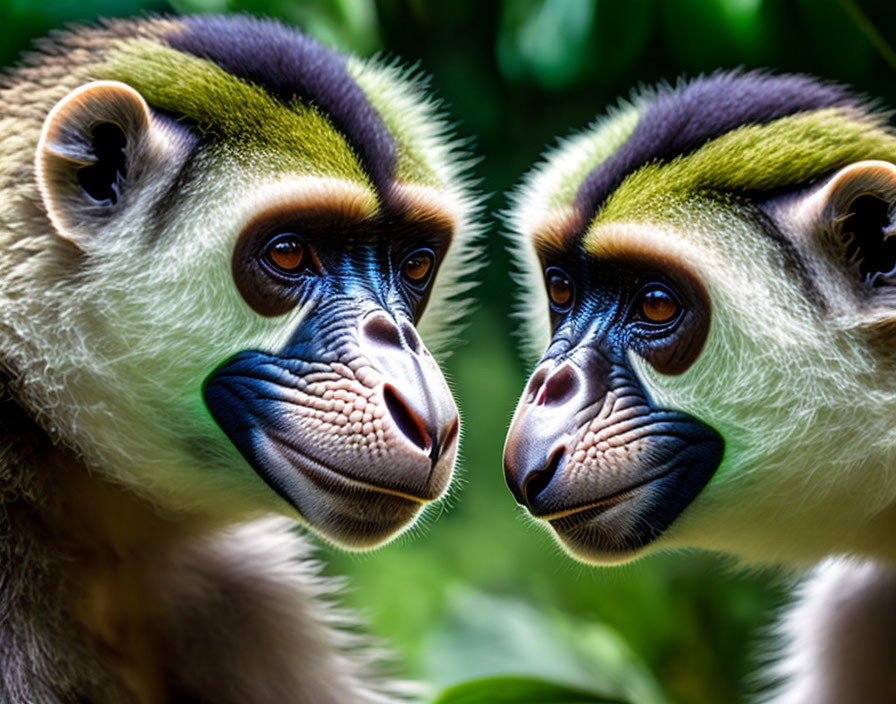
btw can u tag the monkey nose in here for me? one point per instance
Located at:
(432, 432)
(545, 423)
(529, 474)
(532, 457)
(414, 392)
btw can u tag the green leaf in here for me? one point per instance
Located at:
(489, 635)
(518, 690)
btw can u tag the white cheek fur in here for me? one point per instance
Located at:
(779, 385)
(143, 328)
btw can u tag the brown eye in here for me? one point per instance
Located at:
(417, 266)
(658, 305)
(286, 254)
(559, 287)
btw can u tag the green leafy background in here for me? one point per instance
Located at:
(478, 591)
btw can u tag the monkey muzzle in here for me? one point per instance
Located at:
(590, 454)
(353, 425)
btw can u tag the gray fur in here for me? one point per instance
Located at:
(839, 638)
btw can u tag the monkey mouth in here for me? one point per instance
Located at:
(619, 525)
(607, 501)
(353, 513)
(357, 478)
(329, 478)
(609, 529)
(571, 517)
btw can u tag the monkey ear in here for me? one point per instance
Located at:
(90, 155)
(856, 208)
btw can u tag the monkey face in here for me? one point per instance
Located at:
(589, 450)
(694, 392)
(718, 262)
(241, 329)
(310, 362)
(350, 420)
(668, 394)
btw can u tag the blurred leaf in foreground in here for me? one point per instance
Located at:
(484, 635)
(518, 690)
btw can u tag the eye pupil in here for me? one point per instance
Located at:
(417, 267)
(286, 253)
(658, 306)
(560, 289)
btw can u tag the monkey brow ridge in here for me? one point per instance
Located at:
(788, 152)
(234, 110)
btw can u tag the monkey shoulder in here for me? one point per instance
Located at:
(250, 618)
(241, 615)
(838, 639)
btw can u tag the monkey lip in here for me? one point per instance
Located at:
(565, 519)
(617, 524)
(573, 516)
(330, 479)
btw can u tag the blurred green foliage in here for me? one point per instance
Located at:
(517, 690)
(479, 591)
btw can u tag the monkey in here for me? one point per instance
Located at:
(222, 245)
(709, 278)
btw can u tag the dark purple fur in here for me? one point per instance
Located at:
(288, 64)
(681, 120)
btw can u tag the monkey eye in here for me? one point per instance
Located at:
(417, 267)
(657, 305)
(285, 254)
(560, 288)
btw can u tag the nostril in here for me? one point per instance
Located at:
(538, 481)
(380, 331)
(559, 387)
(411, 338)
(535, 384)
(408, 422)
(439, 450)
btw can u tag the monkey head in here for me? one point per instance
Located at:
(248, 237)
(710, 274)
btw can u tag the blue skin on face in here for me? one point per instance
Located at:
(302, 418)
(615, 500)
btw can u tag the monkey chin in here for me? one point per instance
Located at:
(626, 525)
(604, 534)
(352, 513)
(358, 518)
